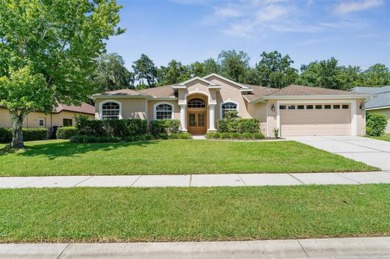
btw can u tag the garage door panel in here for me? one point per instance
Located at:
(315, 122)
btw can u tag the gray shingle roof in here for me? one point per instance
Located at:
(381, 96)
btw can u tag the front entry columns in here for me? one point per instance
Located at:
(212, 117)
(183, 117)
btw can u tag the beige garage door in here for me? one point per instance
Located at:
(315, 120)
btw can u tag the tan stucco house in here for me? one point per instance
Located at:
(200, 102)
(62, 115)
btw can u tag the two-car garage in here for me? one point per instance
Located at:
(315, 119)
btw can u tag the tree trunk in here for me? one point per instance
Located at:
(17, 125)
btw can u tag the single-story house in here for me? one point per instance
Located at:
(380, 101)
(200, 102)
(62, 115)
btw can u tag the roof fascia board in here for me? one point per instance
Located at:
(378, 108)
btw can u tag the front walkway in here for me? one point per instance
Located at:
(369, 247)
(369, 151)
(199, 180)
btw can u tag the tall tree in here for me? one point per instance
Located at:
(376, 75)
(111, 74)
(176, 72)
(275, 70)
(234, 65)
(48, 49)
(144, 69)
(325, 73)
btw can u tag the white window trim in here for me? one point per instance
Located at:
(109, 101)
(157, 104)
(229, 101)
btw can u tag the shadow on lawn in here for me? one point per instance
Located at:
(67, 149)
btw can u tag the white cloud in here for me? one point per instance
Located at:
(271, 13)
(349, 7)
(227, 12)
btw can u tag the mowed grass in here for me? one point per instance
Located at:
(385, 137)
(171, 157)
(193, 214)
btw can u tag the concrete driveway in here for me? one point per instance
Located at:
(369, 151)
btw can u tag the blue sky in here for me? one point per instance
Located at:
(356, 32)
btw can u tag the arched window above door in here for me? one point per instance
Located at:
(196, 103)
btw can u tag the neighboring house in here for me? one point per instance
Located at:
(200, 102)
(380, 101)
(62, 115)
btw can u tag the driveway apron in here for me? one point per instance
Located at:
(369, 151)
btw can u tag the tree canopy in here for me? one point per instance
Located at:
(111, 74)
(48, 50)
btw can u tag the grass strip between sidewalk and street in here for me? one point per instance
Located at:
(193, 214)
(172, 157)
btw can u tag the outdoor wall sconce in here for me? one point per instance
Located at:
(361, 106)
(273, 107)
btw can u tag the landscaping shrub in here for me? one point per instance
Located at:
(181, 135)
(111, 128)
(375, 124)
(93, 139)
(164, 128)
(66, 132)
(234, 135)
(238, 125)
(222, 126)
(30, 134)
(5, 135)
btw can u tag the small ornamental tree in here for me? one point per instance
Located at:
(48, 50)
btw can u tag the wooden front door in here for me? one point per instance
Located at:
(197, 122)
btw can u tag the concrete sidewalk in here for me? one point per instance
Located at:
(372, 247)
(205, 180)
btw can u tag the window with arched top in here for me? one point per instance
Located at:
(228, 107)
(111, 111)
(196, 103)
(163, 111)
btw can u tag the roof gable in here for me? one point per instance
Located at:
(241, 86)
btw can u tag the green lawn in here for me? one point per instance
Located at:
(385, 137)
(171, 157)
(184, 214)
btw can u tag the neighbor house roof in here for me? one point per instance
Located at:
(83, 108)
(380, 98)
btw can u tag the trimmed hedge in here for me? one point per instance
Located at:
(375, 124)
(112, 128)
(234, 135)
(164, 128)
(109, 139)
(238, 125)
(29, 134)
(66, 132)
(5, 135)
